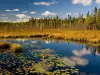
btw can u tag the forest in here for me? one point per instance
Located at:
(90, 22)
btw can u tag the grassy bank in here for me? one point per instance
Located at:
(76, 35)
(6, 47)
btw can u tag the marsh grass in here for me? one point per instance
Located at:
(75, 35)
(5, 47)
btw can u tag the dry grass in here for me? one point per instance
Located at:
(5, 46)
(80, 35)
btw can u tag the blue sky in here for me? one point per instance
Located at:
(22, 10)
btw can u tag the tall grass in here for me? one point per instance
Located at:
(4, 47)
(80, 35)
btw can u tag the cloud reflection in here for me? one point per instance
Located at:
(84, 51)
(21, 40)
(81, 52)
(73, 61)
(47, 41)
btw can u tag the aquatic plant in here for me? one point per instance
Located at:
(44, 62)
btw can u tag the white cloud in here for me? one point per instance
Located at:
(8, 10)
(48, 13)
(2, 14)
(21, 16)
(45, 3)
(98, 1)
(12, 10)
(42, 3)
(72, 14)
(4, 17)
(15, 10)
(68, 13)
(21, 20)
(33, 12)
(76, 13)
(83, 2)
(24, 11)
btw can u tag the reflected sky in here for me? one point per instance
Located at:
(85, 57)
(74, 61)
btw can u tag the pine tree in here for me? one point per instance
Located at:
(98, 19)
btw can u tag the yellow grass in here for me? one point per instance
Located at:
(81, 35)
(9, 46)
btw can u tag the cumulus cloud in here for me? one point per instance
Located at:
(24, 11)
(33, 12)
(45, 3)
(15, 10)
(98, 1)
(8, 10)
(21, 20)
(76, 13)
(4, 17)
(72, 14)
(83, 2)
(68, 13)
(2, 14)
(21, 16)
(48, 13)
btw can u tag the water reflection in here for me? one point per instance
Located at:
(49, 61)
(81, 52)
(94, 50)
(74, 61)
(33, 60)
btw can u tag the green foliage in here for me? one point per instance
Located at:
(91, 21)
(98, 19)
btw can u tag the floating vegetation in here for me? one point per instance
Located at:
(40, 62)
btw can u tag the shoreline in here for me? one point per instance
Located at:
(91, 36)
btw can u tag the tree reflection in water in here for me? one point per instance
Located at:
(36, 62)
(95, 50)
(34, 59)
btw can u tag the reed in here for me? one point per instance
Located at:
(76, 35)
(5, 47)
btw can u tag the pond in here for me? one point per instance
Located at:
(84, 57)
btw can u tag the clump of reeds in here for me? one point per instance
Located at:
(5, 46)
(16, 48)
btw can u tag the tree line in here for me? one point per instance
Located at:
(90, 22)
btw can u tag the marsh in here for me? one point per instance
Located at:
(58, 56)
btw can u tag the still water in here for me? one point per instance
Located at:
(84, 57)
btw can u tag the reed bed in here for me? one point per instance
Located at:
(76, 35)
(6, 47)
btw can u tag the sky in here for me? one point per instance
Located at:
(22, 10)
